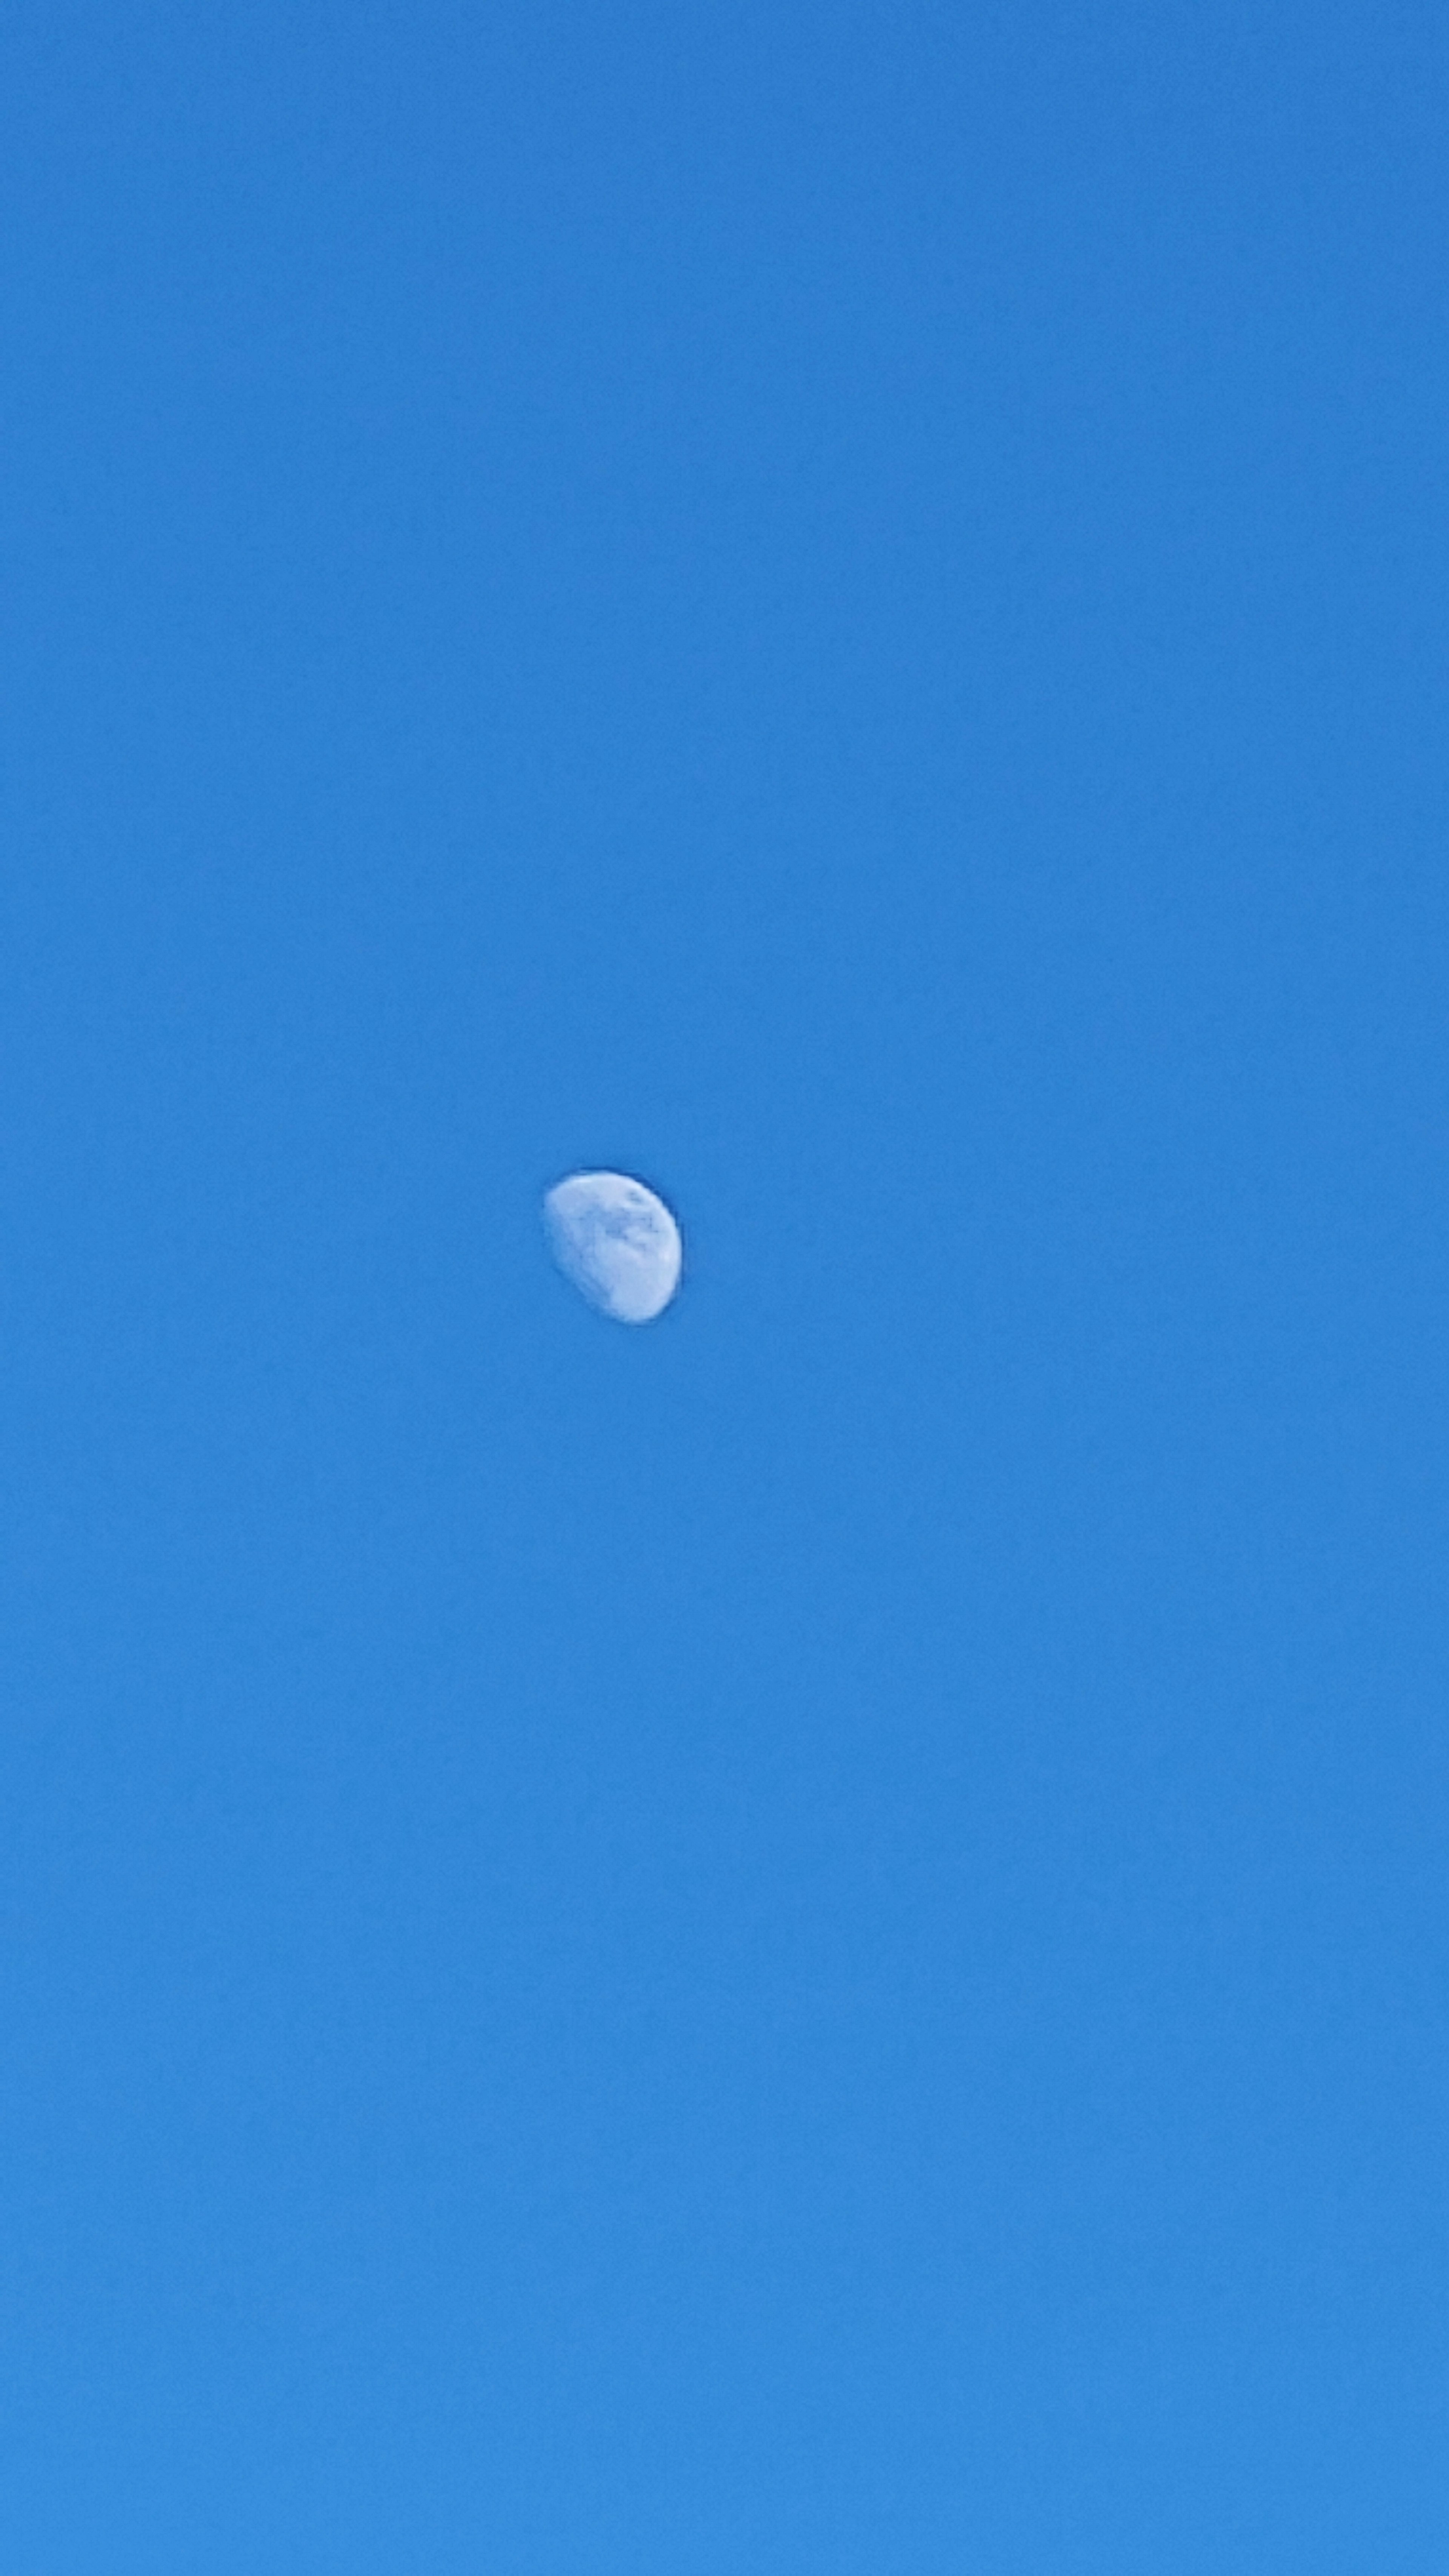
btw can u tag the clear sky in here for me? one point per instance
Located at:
(810, 1941)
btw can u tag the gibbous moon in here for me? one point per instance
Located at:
(617, 1242)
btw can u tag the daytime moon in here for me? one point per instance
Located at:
(616, 1241)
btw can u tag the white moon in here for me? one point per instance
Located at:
(617, 1242)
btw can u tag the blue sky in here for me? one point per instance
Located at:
(809, 1942)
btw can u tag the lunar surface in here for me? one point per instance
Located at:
(617, 1242)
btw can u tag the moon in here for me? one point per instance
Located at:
(616, 1241)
